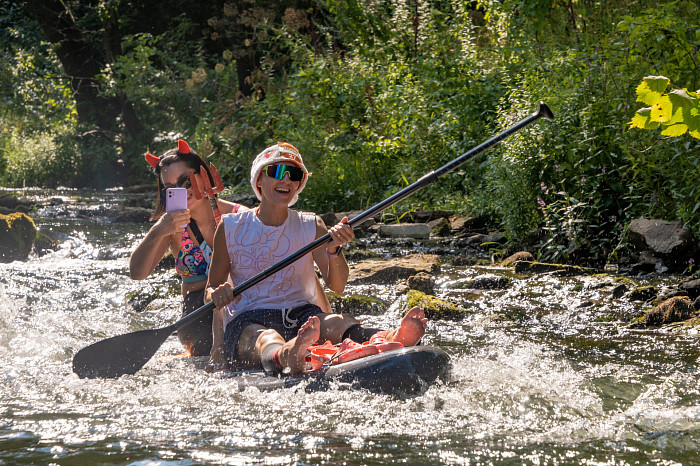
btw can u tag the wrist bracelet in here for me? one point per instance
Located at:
(330, 254)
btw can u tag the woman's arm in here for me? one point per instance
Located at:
(156, 242)
(329, 259)
(220, 291)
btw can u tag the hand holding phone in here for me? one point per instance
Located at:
(176, 199)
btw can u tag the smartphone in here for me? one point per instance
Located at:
(176, 199)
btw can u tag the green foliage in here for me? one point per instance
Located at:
(677, 112)
(376, 94)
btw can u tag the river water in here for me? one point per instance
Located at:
(568, 384)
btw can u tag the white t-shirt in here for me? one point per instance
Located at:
(253, 247)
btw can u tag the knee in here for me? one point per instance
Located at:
(337, 324)
(267, 336)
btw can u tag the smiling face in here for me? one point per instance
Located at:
(277, 191)
(177, 175)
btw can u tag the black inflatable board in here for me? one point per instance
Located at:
(405, 370)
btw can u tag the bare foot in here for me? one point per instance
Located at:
(293, 353)
(412, 328)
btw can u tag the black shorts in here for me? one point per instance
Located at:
(196, 337)
(286, 322)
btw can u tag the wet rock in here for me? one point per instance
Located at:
(435, 309)
(643, 293)
(692, 287)
(43, 245)
(439, 227)
(488, 282)
(139, 300)
(18, 232)
(463, 261)
(482, 282)
(619, 291)
(14, 203)
(405, 230)
(659, 236)
(672, 310)
(457, 223)
(475, 240)
(120, 214)
(471, 224)
(423, 282)
(495, 237)
(167, 262)
(145, 189)
(665, 245)
(329, 218)
(356, 304)
(558, 269)
(158, 305)
(389, 272)
(518, 256)
(425, 216)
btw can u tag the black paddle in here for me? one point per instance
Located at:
(126, 354)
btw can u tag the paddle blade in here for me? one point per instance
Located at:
(120, 355)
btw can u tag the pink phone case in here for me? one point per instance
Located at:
(176, 199)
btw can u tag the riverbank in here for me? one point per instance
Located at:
(433, 240)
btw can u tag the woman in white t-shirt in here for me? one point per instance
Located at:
(273, 322)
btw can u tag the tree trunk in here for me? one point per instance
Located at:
(98, 116)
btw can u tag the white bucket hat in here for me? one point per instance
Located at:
(280, 152)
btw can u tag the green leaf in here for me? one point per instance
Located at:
(675, 130)
(691, 117)
(681, 98)
(662, 110)
(677, 116)
(651, 89)
(642, 119)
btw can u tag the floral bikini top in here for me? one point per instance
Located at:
(192, 262)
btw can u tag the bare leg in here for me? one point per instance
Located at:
(412, 328)
(292, 354)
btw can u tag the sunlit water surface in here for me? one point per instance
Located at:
(563, 386)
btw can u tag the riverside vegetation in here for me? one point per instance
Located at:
(374, 94)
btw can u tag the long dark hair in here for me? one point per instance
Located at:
(192, 160)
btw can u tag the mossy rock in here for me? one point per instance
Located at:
(558, 269)
(43, 244)
(435, 308)
(672, 310)
(643, 293)
(518, 256)
(356, 304)
(18, 232)
(139, 300)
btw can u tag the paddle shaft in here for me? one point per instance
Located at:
(432, 177)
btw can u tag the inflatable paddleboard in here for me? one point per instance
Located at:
(406, 370)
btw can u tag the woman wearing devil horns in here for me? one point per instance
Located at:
(273, 323)
(177, 168)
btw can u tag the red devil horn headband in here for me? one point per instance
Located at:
(151, 159)
(183, 147)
